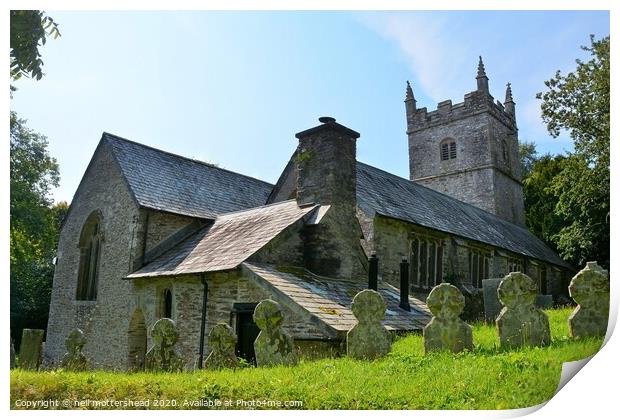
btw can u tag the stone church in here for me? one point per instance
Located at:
(150, 234)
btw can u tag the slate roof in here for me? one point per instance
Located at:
(227, 242)
(164, 181)
(379, 192)
(329, 300)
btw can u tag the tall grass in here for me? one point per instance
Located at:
(487, 378)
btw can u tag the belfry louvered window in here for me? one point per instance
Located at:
(426, 262)
(448, 149)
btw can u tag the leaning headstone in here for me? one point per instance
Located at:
(590, 289)
(74, 359)
(12, 355)
(222, 342)
(544, 301)
(520, 323)
(273, 346)
(368, 339)
(492, 305)
(31, 349)
(162, 357)
(446, 331)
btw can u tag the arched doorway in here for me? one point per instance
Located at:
(136, 340)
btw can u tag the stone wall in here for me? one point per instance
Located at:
(102, 189)
(392, 241)
(105, 321)
(486, 171)
(162, 225)
(225, 289)
(326, 174)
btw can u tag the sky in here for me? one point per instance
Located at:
(233, 88)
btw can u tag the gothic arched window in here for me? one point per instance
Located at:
(90, 249)
(447, 149)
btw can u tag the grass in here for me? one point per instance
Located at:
(487, 378)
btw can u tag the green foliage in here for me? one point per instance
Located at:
(34, 227)
(29, 29)
(579, 103)
(528, 157)
(487, 378)
(540, 198)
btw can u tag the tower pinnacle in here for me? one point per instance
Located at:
(481, 78)
(410, 103)
(508, 93)
(481, 71)
(509, 104)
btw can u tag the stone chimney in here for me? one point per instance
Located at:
(326, 175)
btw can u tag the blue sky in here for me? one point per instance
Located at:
(233, 88)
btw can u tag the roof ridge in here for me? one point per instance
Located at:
(210, 165)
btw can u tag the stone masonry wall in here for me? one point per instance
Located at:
(392, 240)
(472, 143)
(473, 187)
(162, 225)
(326, 175)
(103, 321)
(486, 171)
(225, 289)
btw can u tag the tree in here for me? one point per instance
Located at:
(29, 29)
(579, 104)
(540, 199)
(527, 157)
(34, 226)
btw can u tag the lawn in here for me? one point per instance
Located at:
(487, 378)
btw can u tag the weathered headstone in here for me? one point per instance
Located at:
(520, 323)
(162, 357)
(492, 306)
(273, 346)
(12, 355)
(544, 301)
(74, 359)
(368, 339)
(446, 331)
(590, 289)
(222, 342)
(31, 349)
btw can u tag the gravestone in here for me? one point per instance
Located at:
(446, 331)
(492, 306)
(273, 346)
(74, 359)
(590, 289)
(222, 342)
(520, 323)
(162, 357)
(31, 349)
(544, 301)
(12, 355)
(368, 339)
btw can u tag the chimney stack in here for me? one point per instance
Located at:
(326, 175)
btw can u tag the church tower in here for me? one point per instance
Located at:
(469, 150)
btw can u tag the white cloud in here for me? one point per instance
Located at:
(431, 46)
